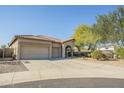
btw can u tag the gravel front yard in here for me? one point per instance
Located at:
(8, 67)
(119, 63)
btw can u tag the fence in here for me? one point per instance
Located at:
(6, 53)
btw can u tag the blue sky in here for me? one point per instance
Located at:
(56, 21)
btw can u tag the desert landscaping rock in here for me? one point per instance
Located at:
(8, 67)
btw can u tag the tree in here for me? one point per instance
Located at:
(3, 46)
(111, 27)
(120, 24)
(84, 36)
(97, 36)
(104, 28)
(108, 29)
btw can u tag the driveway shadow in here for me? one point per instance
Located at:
(57, 59)
(72, 83)
(50, 59)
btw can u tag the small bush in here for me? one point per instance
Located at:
(120, 52)
(97, 55)
(108, 54)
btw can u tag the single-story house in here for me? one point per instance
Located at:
(106, 48)
(41, 47)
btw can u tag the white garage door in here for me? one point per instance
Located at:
(55, 52)
(34, 52)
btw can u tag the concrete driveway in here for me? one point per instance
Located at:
(60, 69)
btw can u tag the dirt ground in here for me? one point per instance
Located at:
(119, 63)
(7, 67)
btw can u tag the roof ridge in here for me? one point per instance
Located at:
(39, 37)
(48, 37)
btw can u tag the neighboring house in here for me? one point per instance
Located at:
(41, 47)
(106, 48)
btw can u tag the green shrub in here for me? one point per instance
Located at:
(97, 54)
(108, 54)
(120, 52)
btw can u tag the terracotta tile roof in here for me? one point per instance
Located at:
(38, 37)
(49, 38)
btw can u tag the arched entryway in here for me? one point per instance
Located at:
(68, 51)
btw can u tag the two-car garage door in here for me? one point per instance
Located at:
(34, 52)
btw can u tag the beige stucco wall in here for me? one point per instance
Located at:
(56, 45)
(35, 41)
(70, 43)
(19, 43)
(15, 47)
(23, 42)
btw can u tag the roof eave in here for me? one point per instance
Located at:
(17, 37)
(68, 40)
(13, 40)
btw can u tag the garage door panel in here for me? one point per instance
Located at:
(55, 52)
(34, 52)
